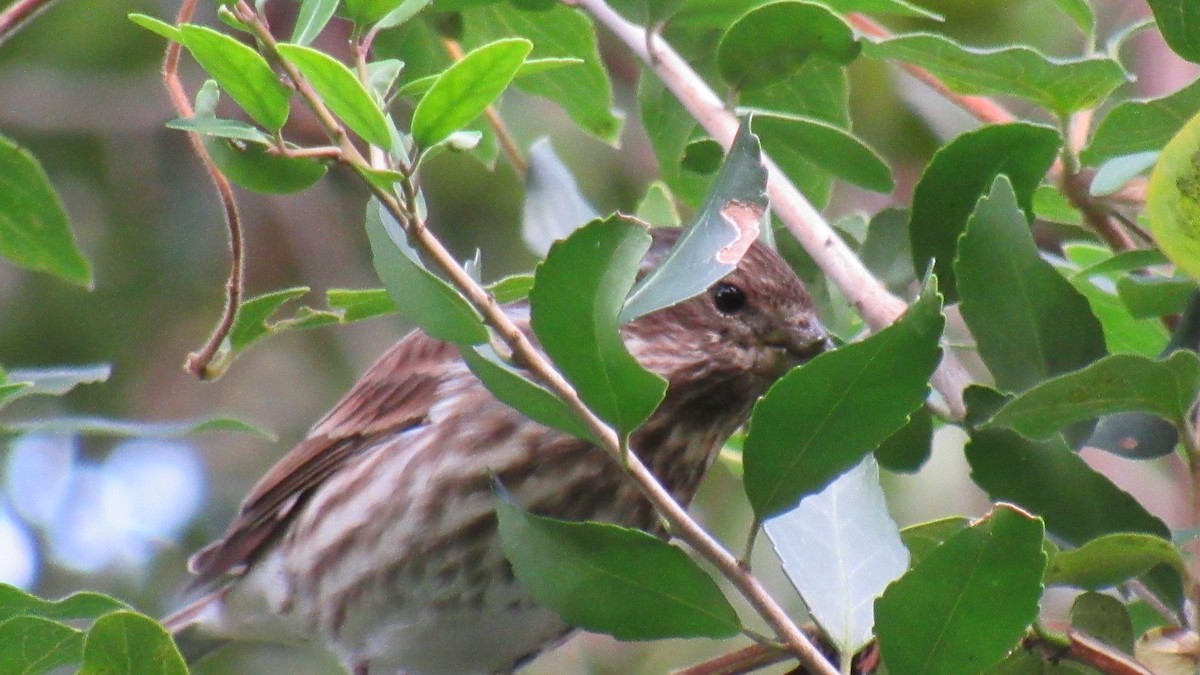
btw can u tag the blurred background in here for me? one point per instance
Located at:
(80, 88)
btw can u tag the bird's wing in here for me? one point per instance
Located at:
(394, 394)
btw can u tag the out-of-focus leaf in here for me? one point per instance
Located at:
(367, 12)
(1142, 125)
(822, 418)
(242, 72)
(554, 207)
(250, 322)
(125, 642)
(887, 250)
(58, 380)
(1117, 383)
(341, 90)
(1173, 199)
(1126, 261)
(34, 231)
(835, 150)
(922, 538)
(730, 221)
(104, 426)
(1179, 22)
(382, 76)
(32, 644)
(890, 7)
(908, 449)
(1168, 650)
(1062, 86)
(613, 580)
(1028, 322)
(87, 605)
(419, 294)
(577, 295)
(968, 602)
(1153, 296)
(963, 171)
(1104, 618)
(311, 20)
(406, 10)
(658, 206)
(466, 89)
(222, 128)
(773, 40)
(1116, 172)
(512, 388)
(1112, 559)
(1080, 13)
(841, 548)
(511, 288)
(669, 128)
(583, 91)
(1050, 204)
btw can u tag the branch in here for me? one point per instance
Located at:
(878, 307)
(198, 362)
(18, 15)
(681, 524)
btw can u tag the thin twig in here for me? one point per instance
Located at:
(18, 15)
(198, 362)
(507, 143)
(878, 307)
(745, 660)
(682, 525)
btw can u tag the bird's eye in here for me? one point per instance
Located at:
(728, 298)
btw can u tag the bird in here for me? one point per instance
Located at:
(376, 535)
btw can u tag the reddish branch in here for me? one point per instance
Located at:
(17, 15)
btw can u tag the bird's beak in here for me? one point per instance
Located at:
(801, 341)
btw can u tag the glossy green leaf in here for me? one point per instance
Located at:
(830, 148)
(1052, 481)
(1173, 199)
(241, 72)
(909, 448)
(613, 580)
(420, 295)
(1112, 559)
(1142, 126)
(466, 89)
(32, 644)
(128, 643)
(1122, 333)
(1179, 22)
(341, 90)
(221, 128)
(775, 39)
(822, 418)
(34, 231)
(1104, 618)
(1153, 296)
(157, 26)
(963, 171)
(1028, 321)
(86, 605)
(312, 19)
(732, 217)
(554, 207)
(841, 548)
(1117, 383)
(922, 538)
(514, 389)
(968, 602)
(421, 85)
(1062, 86)
(577, 294)
(583, 91)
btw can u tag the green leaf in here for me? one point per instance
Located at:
(406, 10)
(34, 231)
(613, 580)
(157, 26)
(1062, 86)
(835, 150)
(1111, 560)
(1050, 204)
(311, 19)
(421, 85)
(382, 76)
(511, 288)
(968, 602)
(1173, 199)
(420, 295)
(1080, 13)
(773, 40)
(822, 418)
(1105, 618)
(1154, 296)
(58, 380)
(887, 250)
(922, 538)
(32, 644)
(125, 642)
(222, 128)
(342, 92)
(889, 7)
(466, 89)
(1126, 261)
(965, 170)
(359, 304)
(1123, 333)
(821, 544)
(584, 91)
(1142, 126)
(104, 426)
(732, 217)
(250, 322)
(554, 207)
(658, 206)
(1117, 383)
(908, 449)
(1029, 323)
(15, 602)
(1052, 481)
(514, 389)
(1179, 22)
(578, 292)
(367, 12)
(241, 72)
